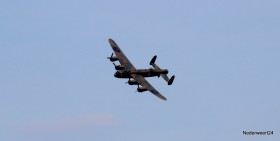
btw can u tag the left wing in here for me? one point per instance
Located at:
(120, 55)
(144, 83)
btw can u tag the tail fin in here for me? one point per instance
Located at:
(171, 80)
(153, 60)
(164, 76)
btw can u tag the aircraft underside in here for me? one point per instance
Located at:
(127, 70)
(125, 75)
(142, 72)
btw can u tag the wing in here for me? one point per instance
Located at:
(120, 55)
(143, 82)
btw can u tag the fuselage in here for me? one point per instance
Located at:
(144, 72)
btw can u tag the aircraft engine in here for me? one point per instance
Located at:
(132, 82)
(112, 58)
(141, 89)
(119, 67)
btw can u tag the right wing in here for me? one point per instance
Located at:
(120, 55)
(144, 83)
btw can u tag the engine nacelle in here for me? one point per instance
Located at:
(119, 67)
(132, 82)
(141, 89)
(113, 59)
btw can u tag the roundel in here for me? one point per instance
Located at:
(116, 49)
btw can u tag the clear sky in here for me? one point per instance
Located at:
(57, 85)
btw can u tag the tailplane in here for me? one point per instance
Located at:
(164, 76)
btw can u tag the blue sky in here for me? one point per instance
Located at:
(56, 83)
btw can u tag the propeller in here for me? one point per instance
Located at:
(137, 89)
(127, 81)
(111, 56)
(117, 67)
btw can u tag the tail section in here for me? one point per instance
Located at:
(153, 60)
(164, 76)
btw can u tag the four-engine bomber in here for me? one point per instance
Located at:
(127, 70)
